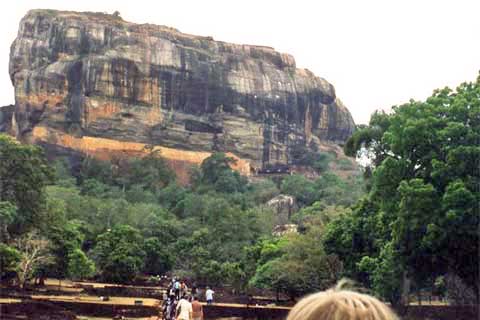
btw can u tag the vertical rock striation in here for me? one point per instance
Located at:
(6, 116)
(80, 76)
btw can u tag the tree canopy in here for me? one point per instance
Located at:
(24, 172)
(420, 219)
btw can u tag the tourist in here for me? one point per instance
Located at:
(197, 309)
(169, 308)
(184, 309)
(194, 290)
(340, 304)
(183, 288)
(171, 291)
(165, 305)
(209, 295)
(176, 286)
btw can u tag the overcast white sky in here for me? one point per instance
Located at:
(377, 53)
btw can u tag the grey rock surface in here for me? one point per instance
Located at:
(96, 75)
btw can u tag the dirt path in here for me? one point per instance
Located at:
(128, 301)
(8, 300)
(76, 284)
(125, 301)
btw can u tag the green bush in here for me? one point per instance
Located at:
(345, 164)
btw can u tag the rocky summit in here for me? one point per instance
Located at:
(96, 84)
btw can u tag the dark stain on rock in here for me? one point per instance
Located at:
(74, 115)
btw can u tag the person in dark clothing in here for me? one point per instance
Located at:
(194, 290)
(171, 309)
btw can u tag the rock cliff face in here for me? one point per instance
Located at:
(98, 84)
(6, 116)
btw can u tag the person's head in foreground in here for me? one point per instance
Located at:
(337, 304)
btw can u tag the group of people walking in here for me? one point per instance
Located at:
(180, 303)
(332, 304)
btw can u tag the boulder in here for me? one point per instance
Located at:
(284, 206)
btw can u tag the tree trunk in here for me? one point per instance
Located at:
(405, 288)
(430, 294)
(4, 236)
(22, 283)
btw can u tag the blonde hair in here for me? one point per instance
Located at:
(337, 304)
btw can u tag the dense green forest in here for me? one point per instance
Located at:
(117, 220)
(410, 220)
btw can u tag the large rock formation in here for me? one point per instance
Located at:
(98, 84)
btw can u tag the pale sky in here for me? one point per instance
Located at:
(377, 53)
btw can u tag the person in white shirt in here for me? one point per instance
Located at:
(184, 309)
(209, 295)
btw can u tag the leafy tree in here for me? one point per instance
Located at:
(79, 265)
(329, 188)
(171, 195)
(138, 194)
(233, 274)
(283, 273)
(8, 211)
(158, 259)
(300, 187)
(230, 229)
(63, 174)
(259, 253)
(215, 166)
(94, 188)
(216, 171)
(78, 207)
(270, 276)
(9, 260)
(23, 175)
(261, 192)
(193, 255)
(385, 273)
(318, 214)
(354, 235)
(65, 240)
(150, 172)
(322, 161)
(262, 220)
(119, 254)
(345, 164)
(102, 171)
(423, 201)
(208, 270)
(301, 155)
